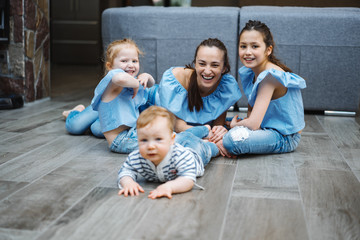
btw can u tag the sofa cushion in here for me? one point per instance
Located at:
(169, 36)
(321, 45)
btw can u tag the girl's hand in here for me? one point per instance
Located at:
(130, 187)
(146, 80)
(235, 121)
(161, 191)
(217, 133)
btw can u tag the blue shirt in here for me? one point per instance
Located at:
(122, 110)
(285, 114)
(174, 97)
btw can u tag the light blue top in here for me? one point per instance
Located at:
(174, 97)
(285, 114)
(122, 110)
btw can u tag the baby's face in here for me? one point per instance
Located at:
(155, 140)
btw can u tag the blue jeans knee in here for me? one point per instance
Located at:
(206, 150)
(96, 129)
(199, 131)
(241, 140)
(125, 142)
(78, 122)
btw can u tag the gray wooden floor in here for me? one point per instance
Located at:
(57, 186)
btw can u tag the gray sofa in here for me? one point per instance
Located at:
(320, 44)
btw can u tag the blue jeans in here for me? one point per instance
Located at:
(241, 140)
(192, 138)
(125, 142)
(78, 122)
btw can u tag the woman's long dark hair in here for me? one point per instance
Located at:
(194, 97)
(268, 39)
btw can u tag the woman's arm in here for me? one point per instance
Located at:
(181, 125)
(218, 130)
(221, 119)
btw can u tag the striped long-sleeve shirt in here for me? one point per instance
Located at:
(180, 161)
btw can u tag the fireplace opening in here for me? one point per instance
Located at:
(4, 21)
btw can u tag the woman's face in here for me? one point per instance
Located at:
(209, 66)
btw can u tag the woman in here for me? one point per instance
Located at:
(201, 93)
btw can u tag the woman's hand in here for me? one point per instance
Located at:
(217, 133)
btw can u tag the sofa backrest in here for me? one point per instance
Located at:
(169, 36)
(320, 44)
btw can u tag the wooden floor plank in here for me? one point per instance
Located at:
(31, 122)
(42, 202)
(8, 187)
(312, 124)
(11, 234)
(30, 166)
(31, 110)
(331, 203)
(266, 176)
(7, 156)
(319, 151)
(257, 218)
(193, 215)
(344, 131)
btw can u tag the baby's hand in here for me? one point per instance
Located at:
(161, 191)
(130, 187)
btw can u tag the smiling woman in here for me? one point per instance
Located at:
(201, 93)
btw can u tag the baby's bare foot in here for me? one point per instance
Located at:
(79, 108)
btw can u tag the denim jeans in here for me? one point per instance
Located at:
(192, 138)
(78, 122)
(125, 142)
(241, 140)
